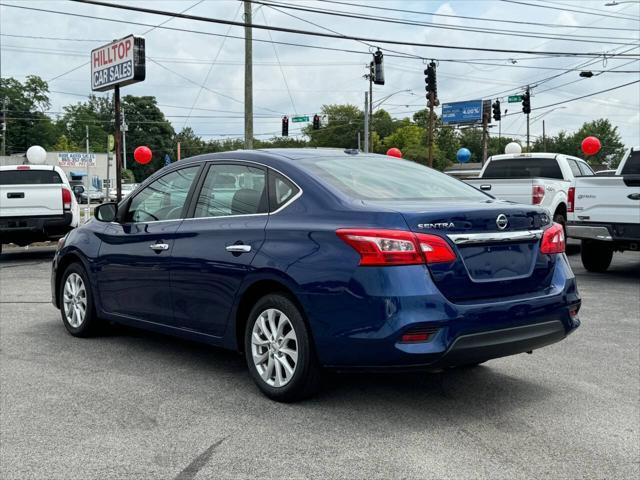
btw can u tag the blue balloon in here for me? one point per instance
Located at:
(463, 155)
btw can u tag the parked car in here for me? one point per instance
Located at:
(127, 188)
(606, 213)
(94, 194)
(36, 204)
(543, 179)
(320, 258)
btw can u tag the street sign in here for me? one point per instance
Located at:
(462, 112)
(76, 159)
(515, 98)
(300, 119)
(120, 62)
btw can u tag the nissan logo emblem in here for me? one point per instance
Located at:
(502, 221)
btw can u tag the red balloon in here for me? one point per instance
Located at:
(591, 145)
(394, 152)
(142, 155)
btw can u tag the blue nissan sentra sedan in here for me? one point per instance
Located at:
(304, 259)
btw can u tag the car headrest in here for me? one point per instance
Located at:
(246, 201)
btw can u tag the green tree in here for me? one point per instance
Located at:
(147, 126)
(65, 145)
(27, 123)
(612, 147)
(341, 131)
(96, 115)
(190, 143)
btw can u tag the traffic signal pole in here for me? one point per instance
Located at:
(370, 105)
(431, 106)
(366, 122)
(248, 77)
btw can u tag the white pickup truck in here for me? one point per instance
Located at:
(36, 204)
(606, 213)
(544, 179)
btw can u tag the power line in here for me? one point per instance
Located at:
(591, 9)
(153, 27)
(479, 19)
(322, 34)
(284, 77)
(587, 95)
(564, 9)
(493, 31)
(195, 100)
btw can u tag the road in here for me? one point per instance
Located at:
(140, 405)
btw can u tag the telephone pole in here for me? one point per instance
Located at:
(117, 142)
(4, 127)
(371, 76)
(366, 122)
(125, 128)
(248, 77)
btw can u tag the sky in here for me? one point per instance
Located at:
(198, 78)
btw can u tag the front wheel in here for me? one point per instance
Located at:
(278, 350)
(596, 256)
(76, 302)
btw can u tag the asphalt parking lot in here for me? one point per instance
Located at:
(140, 405)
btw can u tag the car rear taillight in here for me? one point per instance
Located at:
(537, 194)
(571, 197)
(553, 240)
(396, 247)
(66, 198)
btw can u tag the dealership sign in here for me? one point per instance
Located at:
(120, 62)
(76, 159)
(462, 112)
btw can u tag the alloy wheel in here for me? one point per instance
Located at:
(75, 300)
(274, 347)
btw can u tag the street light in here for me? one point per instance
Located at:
(614, 3)
(384, 99)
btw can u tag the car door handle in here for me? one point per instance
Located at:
(159, 247)
(238, 248)
(485, 187)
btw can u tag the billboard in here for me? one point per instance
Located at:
(120, 62)
(462, 112)
(76, 159)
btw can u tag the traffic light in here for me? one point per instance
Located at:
(496, 111)
(285, 126)
(432, 84)
(526, 102)
(378, 68)
(316, 122)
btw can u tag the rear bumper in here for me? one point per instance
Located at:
(16, 229)
(606, 232)
(365, 332)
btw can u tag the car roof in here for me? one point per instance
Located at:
(283, 154)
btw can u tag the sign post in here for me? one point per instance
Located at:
(119, 63)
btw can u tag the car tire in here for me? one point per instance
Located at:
(279, 350)
(596, 256)
(76, 302)
(559, 218)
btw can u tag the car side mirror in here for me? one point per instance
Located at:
(78, 189)
(107, 212)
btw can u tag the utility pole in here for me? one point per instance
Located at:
(371, 76)
(431, 88)
(544, 138)
(4, 127)
(366, 122)
(359, 141)
(117, 141)
(526, 109)
(86, 212)
(125, 129)
(486, 118)
(248, 77)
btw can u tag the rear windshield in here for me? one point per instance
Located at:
(525, 167)
(29, 177)
(386, 178)
(632, 167)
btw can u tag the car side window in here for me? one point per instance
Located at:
(585, 169)
(163, 199)
(281, 190)
(574, 167)
(232, 189)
